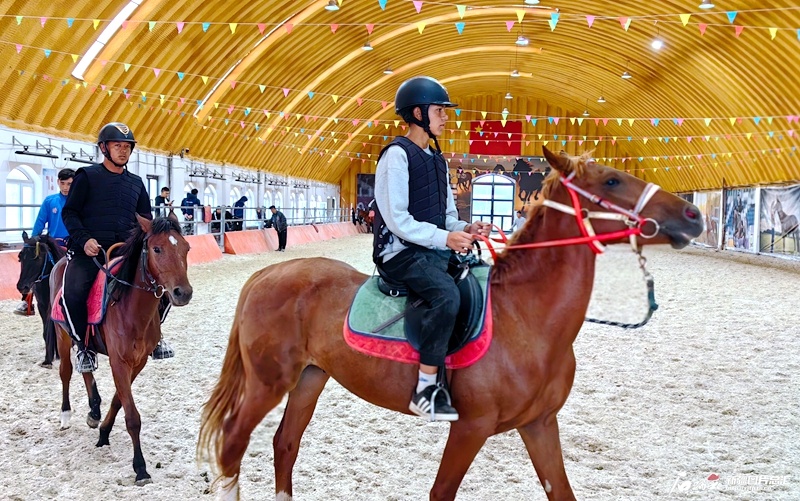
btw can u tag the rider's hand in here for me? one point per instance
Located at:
(479, 228)
(459, 241)
(91, 247)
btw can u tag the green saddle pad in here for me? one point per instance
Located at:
(371, 308)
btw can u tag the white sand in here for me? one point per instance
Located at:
(704, 388)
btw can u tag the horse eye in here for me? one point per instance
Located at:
(157, 250)
(612, 182)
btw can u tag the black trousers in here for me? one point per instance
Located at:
(281, 239)
(429, 325)
(78, 279)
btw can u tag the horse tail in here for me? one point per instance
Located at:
(224, 402)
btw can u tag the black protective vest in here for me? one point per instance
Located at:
(109, 213)
(427, 191)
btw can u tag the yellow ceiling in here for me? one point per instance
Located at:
(696, 76)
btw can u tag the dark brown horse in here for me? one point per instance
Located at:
(155, 264)
(539, 300)
(36, 260)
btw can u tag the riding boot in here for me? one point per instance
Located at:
(163, 350)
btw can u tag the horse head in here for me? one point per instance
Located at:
(166, 252)
(662, 217)
(31, 262)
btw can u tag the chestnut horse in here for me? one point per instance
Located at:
(287, 338)
(154, 264)
(36, 260)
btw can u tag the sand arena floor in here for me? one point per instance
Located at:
(705, 388)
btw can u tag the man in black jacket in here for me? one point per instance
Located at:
(100, 211)
(278, 221)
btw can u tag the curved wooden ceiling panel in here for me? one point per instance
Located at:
(716, 75)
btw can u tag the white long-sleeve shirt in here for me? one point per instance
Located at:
(391, 195)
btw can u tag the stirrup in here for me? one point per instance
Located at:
(86, 361)
(162, 350)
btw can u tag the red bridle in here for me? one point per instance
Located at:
(632, 219)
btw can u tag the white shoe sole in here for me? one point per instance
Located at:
(436, 417)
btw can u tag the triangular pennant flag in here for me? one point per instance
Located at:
(261, 28)
(707, 121)
(151, 25)
(619, 121)
(370, 27)
(95, 23)
(288, 27)
(124, 25)
(555, 120)
(19, 20)
(19, 48)
(180, 26)
(590, 20)
(420, 27)
(233, 26)
(127, 66)
(731, 16)
(520, 14)
(180, 75)
(286, 92)
(630, 121)
(553, 21)
(510, 25)
(360, 100)
(571, 120)
(769, 120)
(461, 10)
(418, 5)
(382, 3)
(204, 79)
(483, 114)
(460, 27)
(157, 71)
(772, 33)
(70, 21)
(732, 120)
(334, 27)
(384, 104)
(739, 30)
(311, 94)
(47, 53)
(685, 18)
(625, 22)
(702, 27)
(335, 98)
(262, 88)
(206, 26)
(458, 123)
(42, 20)
(757, 120)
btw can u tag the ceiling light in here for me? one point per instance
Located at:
(626, 75)
(514, 73)
(706, 4)
(505, 111)
(585, 112)
(657, 43)
(332, 5)
(367, 46)
(509, 96)
(601, 99)
(531, 2)
(388, 71)
(522, 41)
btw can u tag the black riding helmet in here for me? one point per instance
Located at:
(115, 131)
(421, 92)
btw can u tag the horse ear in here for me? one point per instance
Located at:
(144, 223)
(25, 236)
(560, 162)
(172, 216)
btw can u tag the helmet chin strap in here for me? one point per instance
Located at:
(107, 154)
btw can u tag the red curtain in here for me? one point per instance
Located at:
(502, 139)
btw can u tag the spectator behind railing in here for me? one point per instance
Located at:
(162, 201)
(188, 205)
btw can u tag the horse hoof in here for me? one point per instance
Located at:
(144, 481)
(65, 417)
(92, 422)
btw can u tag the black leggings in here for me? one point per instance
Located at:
(429, 325)
(80, 275)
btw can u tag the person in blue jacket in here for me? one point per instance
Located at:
(238, 214)
(50, 217)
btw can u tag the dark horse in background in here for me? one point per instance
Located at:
(154, 262)
(529, 180)
(789, 224)
(464, 179)
(36, 261)
(521, 383)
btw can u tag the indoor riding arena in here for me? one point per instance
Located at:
(651, 149)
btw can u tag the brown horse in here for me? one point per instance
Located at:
(154, 264)
(539, 300)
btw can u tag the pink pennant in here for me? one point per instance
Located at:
(285, 92)
(364, 145)
(306, 118)
(157, 71)
(623, 21)
(790, 132)
(680, 122)
(555, 120)
(241, 122)
(230, 109)
(527, 118)
(334, 27)
(509, 143)
(355, 121)
(19, 48)
(728, 136)
(288, 27)
(739, 30)
(233, 84)
(569, 138)
(470, 142)
(384, 104)
(182, 100)
(124, 25)
(42, 20)
(509, 25)
(527, 143)
(580, 142)
(679, 167)
(418, 5)
(180, 26)
(261, 28)
(103, 87)
(482, 122)
(265, 112)
(605, 121)
(103, 62)
(689, 139)
(359, 101)
(495, 134)
(403, 127)
(370, 27)
(790, 118)
(375, 123)
(613, 142)
(597, 121)
(702, 27)
(590, 20)
(652, 121)
(739, 120)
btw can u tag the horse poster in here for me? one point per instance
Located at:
(780, 210)
(710, 205)
(740, 215)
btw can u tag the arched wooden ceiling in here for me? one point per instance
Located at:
(716, 75)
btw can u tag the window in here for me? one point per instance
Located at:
(19, 190)
(210, 196)
(493, 200)
(152, 188)
(292, 204)
(301, 206)
(267, 198)
(235, 196)
(278, 202)
(250, 215)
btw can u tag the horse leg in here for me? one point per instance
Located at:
(113, 410)
(93, 417)
(463, 445)
(65, 371)
(123, 378)
(299, 409)
(544, 447)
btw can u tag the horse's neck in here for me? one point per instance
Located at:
(550, 286)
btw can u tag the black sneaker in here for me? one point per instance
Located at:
(23, 310)
(435, 408)
(86, 361)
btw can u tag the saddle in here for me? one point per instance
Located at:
(375, 323)
(98, 301)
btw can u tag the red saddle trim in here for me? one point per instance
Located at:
(94, 303)
(400, 350)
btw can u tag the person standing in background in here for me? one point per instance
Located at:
(278, 221)
(162, 201)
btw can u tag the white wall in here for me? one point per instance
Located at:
(143, 163)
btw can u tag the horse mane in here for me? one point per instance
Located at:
(575, 164)
(56, 250)
(132, 249)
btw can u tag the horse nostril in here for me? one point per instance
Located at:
(176, 292)
(691, 214)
